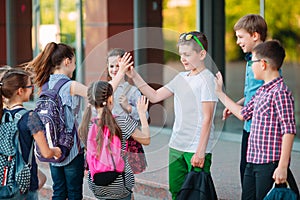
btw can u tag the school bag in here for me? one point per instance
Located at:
(197, 185)
(14, 172)
(51, 112)
(107, 165)
(281, 192)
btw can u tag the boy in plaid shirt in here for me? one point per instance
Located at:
(273, 125)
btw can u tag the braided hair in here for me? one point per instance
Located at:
(98, 94)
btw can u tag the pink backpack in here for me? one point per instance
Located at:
(106, 167)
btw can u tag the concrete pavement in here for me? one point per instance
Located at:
(153, 183)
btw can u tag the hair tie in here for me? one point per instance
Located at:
(104, 103)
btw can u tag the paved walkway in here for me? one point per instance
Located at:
(153, 183)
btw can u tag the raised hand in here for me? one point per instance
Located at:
(219, 83)
(125, 63)
(123, 101)
(142, 104)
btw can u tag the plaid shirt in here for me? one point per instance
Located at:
(272, 113)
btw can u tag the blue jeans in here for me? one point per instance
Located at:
(68, 180)
(30, 195)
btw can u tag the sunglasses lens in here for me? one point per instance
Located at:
(188, 37)
(181, 37)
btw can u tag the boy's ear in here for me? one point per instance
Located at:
(263, 65)
(256, 36)
(203, 54)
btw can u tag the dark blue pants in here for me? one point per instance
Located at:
(258, 180)
(68, 180)
(243, 161)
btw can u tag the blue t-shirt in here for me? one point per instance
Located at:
(29, 125)
(251, 85)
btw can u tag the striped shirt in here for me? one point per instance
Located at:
(272, 113)
(118, 189)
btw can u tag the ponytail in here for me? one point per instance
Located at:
(85, 124)
(48, 60)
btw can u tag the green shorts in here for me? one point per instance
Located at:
(179, 166)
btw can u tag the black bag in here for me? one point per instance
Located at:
(281, 193)
(197, 185)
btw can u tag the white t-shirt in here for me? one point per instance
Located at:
(189, 93)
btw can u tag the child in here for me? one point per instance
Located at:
(194, 106)
(250, 31)
(273, 124)
(100, 96)
(55, 62)
(16, 87)
(125, 99)
(125, 95)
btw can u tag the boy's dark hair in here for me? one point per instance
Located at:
(253, 23)
(272, 51)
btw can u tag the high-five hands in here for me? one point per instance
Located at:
(125, 63)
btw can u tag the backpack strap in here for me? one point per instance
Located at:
(30, 153)
(57, 86)
(123, 173)
(126, 90)
(18, 116)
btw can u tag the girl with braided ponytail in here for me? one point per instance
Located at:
(100, 97)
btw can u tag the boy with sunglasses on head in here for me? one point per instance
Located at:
(273, 123)
(250, 30)
(194, 106)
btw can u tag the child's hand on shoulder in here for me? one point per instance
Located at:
(142, 104)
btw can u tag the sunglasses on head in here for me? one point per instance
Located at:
(189, 36)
